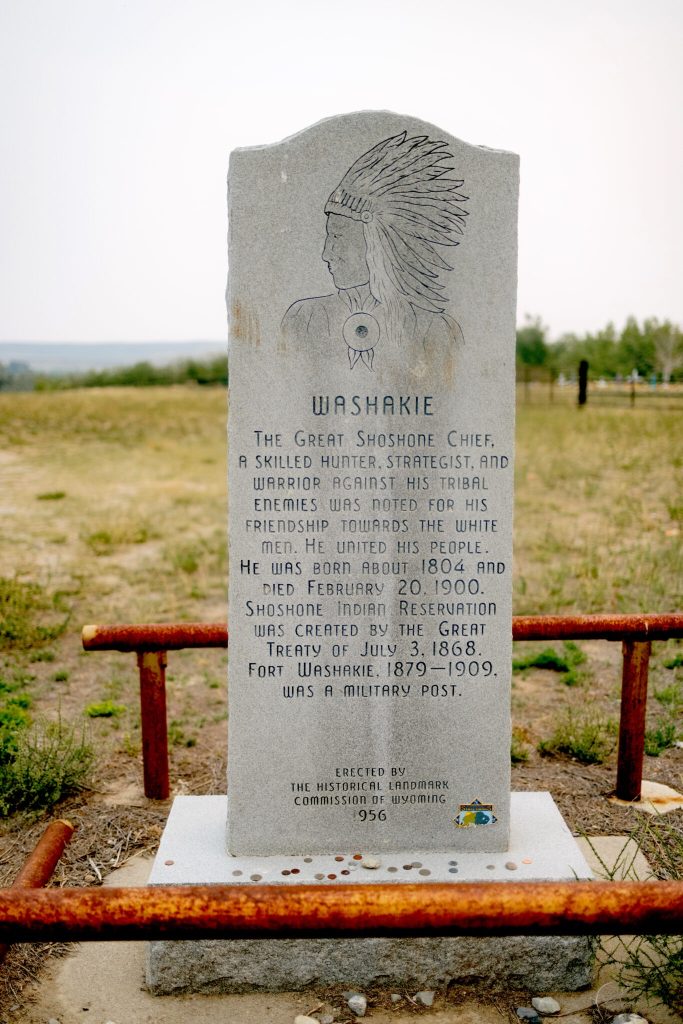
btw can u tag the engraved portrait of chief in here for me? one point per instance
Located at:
(391, 220)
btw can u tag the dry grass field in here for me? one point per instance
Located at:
(113, 505)
(113, 510)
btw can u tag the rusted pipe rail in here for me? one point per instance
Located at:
(597, 627)
(156, 636)
(41, 863)
(151, 642)
(313, 911)
(177, 636)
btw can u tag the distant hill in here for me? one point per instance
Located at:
(78, 357)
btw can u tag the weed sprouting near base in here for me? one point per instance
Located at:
(650, 966)
(41, 764)
(585, 736)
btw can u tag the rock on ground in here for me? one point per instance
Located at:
(358, 1004)
(425, 998)
(546, 1005)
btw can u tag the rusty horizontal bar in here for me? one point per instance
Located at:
(313, 911)
(163, 636)
(599, 627)
(175, 636)
(42, 861)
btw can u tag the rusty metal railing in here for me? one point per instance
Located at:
(150, 643)
(428, 909)
(318, 911)
(40, 865)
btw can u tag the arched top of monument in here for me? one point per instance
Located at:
(373, 121)
(381, 226)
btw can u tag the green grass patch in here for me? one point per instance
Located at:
(660, 739)
(51, 496)
(105, 709)
(39, 763)
(675, 662)
(61, 676)
(187, 557)
(39, 655)
(177, 736)
(24, 608)
(549, 659)
(13, 718)
(583, 736)
(566, 662)
(671, 696)
(117, 535)
(43, 764)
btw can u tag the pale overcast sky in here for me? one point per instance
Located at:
(117, 118)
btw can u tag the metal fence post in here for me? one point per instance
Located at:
(152, 666)
(636, 655)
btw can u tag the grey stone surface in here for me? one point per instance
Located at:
(246, 966)
(372, 348)
(540, 843)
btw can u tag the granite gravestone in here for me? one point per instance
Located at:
(372, 328)
(372, 359)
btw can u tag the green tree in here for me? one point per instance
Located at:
(635, 349)
(601, 352)
(667, 340)
(532, 349)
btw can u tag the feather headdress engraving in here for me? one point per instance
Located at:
(389, 220)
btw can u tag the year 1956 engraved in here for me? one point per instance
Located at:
(369, 815)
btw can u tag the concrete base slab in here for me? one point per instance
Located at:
(192, 851)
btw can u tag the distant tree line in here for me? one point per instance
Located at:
(16, 376)
(653, 348)
(213, 370)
